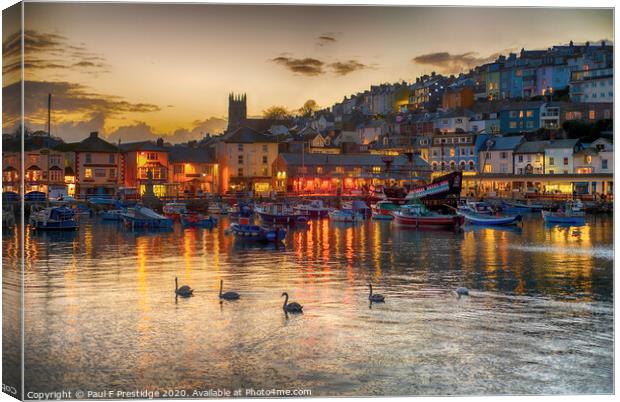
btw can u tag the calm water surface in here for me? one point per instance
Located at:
(101, 312)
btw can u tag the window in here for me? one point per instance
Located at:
(604, 163)
(520, 158)
(178, 169)
(503, 155)
(319, 170)
(88, 173)
(592, 115)
(513, 124)
(339, 169)
(112, 173)
(452, 152)
(88, 158)
(551, 171)
(264, 159)
(151, 156)
(529, 113)
(240, 159)
(240, 172)
(265, 148)
(376, 169)
(513, 114)
(111, 159)
(529, 124)
(471, 166)
(240, 147)
(265, 171)
(565, 161)
(99, 172)
(552, 161)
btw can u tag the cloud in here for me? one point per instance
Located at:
(48, 51)
(449, 63)
(326, 39)
(309, 66)
(347, 67)
(306, 66)
(141, 131)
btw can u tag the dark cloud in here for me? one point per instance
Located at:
(306, 66)
(448, 63)
(46, 51)
(347, 67)
(326, 39)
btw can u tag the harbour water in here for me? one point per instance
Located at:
(101, 313)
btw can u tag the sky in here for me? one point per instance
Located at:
(137, 71)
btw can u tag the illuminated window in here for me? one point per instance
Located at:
(339, 169)
(513, 124)
(240, 172)
(319, 170)
(592, 115)
(529, 113)
(88, 173)
(452, 152)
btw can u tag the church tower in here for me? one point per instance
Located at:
(237, 110)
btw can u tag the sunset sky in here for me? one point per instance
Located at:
(140, 70)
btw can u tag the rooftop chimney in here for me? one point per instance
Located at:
(94, 134)
(160, 142)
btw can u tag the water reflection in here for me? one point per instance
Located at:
(102, 311)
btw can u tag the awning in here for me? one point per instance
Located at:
(69, 171)
(9, 169)
(34, 167)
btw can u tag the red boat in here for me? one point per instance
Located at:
(417, 215)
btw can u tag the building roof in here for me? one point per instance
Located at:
(347, 160)
(185, 154)
(562, 143)
(246, 135)
(532, 147)
(523, 105)
(503, 143)
(141, 146)
(91, 144)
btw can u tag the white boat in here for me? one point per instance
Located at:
(345, 215)
(477, 207)
(313, 208)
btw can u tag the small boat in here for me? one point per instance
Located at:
(174, 210)
(345, 215)
(312, 208)
(142, 217)
(357, 206)
(53, 218)
(490, 220)
(257, 233)
(102, 201)
(112, 215)
(8, 217)
(477, 207)
(198, 220)
(572, 212)
(241, 210)
(384, 210)
(220, 208)
(525, 207)
(280, 214)
(417, 215)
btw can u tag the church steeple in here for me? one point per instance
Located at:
(237, 110)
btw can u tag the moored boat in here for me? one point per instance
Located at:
(219, 208)
(241, 210)
(312, 208)
(571, 213)
(417, 215)
(53, 218)
(280, 214)
(112, 215)
(477, 207)
(198, 220)
(174, 210)
(142, 217)
(345, 215)
(520, 206)
(384, 210)
(248, 232)
(490, 220)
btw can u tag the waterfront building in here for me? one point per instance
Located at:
(345, 173)
(454, 151)
(559, 156)
(191, 171)
(496, 154)
(452, 122)
(529, 158)
(372, 131)
(140, 158)
(96, 165)
(245, 157)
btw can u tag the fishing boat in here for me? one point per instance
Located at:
(520, 206)
(241, 210)
(174, 210)
(345, 215)
(249, 232)
(383, 210)
(357, 206)
(198, 220)
(280, 214)
(53, 218)
(489, 220)
(313, 209)
(416, 215)
(142, 217)
(572, 212)
(476, 207)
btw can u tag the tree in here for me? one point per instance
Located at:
(276, 113)
(308, 108)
